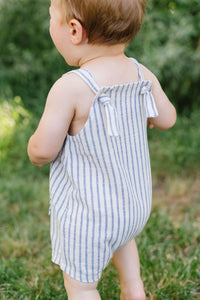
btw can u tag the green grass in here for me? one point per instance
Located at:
(168, 247)
(177, 151)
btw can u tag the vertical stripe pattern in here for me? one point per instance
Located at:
(100, 183)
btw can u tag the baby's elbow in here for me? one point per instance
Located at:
(45, 156)
(38, 156)
(169, 122)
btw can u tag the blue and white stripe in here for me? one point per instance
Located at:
(100, 183)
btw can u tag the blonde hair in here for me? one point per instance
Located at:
(105, 21)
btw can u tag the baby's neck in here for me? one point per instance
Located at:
(97, 53)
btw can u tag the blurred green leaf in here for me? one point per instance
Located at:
(168, 44)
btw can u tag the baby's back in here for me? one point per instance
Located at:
(104, 170)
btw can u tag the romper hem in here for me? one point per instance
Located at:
(78, 276)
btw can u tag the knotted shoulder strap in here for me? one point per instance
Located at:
(104, 99)
(150, 106)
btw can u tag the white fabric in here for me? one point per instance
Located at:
(100, 183)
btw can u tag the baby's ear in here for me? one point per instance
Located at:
(77, 32)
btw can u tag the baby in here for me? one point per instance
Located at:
(94, 131)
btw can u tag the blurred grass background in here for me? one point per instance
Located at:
(169, 44)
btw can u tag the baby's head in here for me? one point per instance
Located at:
(107, 22)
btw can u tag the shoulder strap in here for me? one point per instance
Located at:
(141, 77)
(88, 78)
(103, 99)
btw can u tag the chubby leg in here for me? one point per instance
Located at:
(126, 261)
(77, 290)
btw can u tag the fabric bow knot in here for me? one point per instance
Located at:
(111, 115)
(144, 90)
(151, 110)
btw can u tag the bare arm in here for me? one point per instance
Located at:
(166, 111)
(59, 110)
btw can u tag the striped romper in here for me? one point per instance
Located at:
(100, 183)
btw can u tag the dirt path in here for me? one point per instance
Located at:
(179, 196)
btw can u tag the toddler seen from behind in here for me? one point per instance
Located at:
(94, 132)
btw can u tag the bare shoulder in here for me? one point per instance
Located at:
(156, 86)
(166, 111)
(72, 81)
(148, 75)
(70, 90)
(68, 86)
